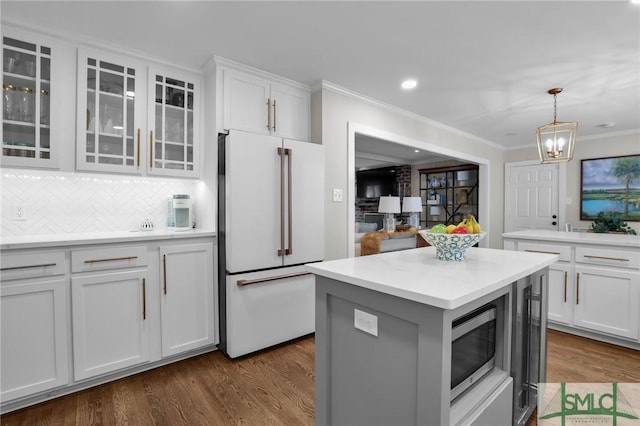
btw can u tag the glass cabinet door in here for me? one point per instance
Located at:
(174, 121)
(110, 114)
(26, 73)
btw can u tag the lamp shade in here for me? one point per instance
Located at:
(389, 205)
(411, 204)
(463, 175)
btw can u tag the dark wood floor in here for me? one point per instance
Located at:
(273, 387)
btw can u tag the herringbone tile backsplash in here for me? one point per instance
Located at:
(62, 202)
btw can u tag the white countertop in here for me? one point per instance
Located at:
(417, 275)
(576, 237)
(65, 240)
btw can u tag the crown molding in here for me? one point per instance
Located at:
(363, 98)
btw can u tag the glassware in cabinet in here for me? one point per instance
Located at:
(173, 131)
(26, 90)
(110, 138)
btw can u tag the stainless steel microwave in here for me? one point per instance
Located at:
(473, 348)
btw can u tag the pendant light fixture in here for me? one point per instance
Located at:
(556, 140)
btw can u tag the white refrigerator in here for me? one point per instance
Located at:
(270, 223)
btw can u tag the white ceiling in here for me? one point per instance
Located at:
(482, 67)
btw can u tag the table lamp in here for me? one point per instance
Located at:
(413, 206)
(389, 206)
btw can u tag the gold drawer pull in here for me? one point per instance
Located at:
(144, 298)
(112, 259)
(590, 256)
(13, 268)
(542, 251)
(267, 279)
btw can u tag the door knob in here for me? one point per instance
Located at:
(554, 223)
(554, 216)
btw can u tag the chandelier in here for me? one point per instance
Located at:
(556, 140)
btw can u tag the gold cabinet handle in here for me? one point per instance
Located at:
(111, 259)
(242, 283)
(13, 268)
(144, 298)
(138, 148)
(274, 115)
(151, 149)
(164, 272)
(542, 251)
(268, 113)
(578, 288)
(565, 286)
(590, 256)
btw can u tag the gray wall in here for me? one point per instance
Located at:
(339, 109)
(586, 148)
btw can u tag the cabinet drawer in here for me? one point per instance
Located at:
(608, 256)
(16, 266)
(108, 258)
(564, 252)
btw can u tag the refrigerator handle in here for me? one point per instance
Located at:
(288, 152)
(281, 153)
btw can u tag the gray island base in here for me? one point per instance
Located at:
(384, 336)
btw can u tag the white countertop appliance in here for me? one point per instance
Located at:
(182, 214)
(271, 223)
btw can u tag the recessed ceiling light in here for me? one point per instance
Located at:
(634, 1)
(416, 150)
(409, 84)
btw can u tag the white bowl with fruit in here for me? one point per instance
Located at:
(451, 242)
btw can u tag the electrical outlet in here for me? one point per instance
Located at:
(19, 212)
(365, 322)
(337, 195)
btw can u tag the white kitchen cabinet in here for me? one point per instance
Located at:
(594, 287)
(264, 103)
(33, 339)
(136, 119)
(173, 120)
(607, 300)
(109, 310)
(31, 84)
(560, 293)
(187, 297)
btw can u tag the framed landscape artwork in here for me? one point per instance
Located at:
(610, 184)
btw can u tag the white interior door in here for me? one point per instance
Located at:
(531, 197)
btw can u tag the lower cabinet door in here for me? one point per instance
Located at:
(187, 304)
(33, 343)
(110, 328)
(560, 294)
(607, 300)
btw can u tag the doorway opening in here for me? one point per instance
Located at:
(393, 147)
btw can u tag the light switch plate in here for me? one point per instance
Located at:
(366, 322)
(337, 195)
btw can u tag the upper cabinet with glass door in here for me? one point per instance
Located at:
(173, 122)
(135, 119)
(109, 114)
(27, 90)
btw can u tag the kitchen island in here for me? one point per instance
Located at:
(384, 333)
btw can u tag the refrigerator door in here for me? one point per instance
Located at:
(252, 201)
(304, 189)
(268, 307)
